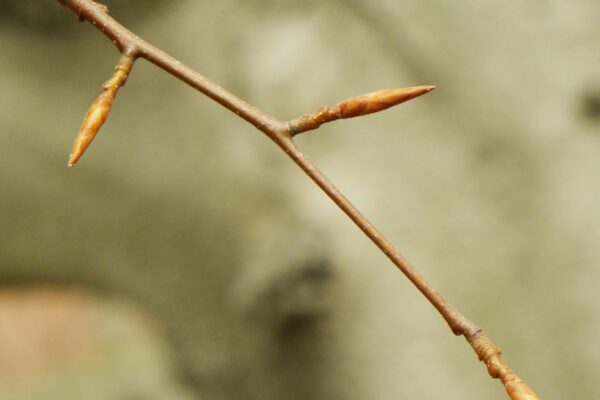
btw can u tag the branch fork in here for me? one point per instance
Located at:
(282, 133)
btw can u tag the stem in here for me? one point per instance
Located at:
(281, 133)
(457, 322)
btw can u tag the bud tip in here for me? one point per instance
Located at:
(73, 157)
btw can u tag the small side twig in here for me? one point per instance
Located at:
(132, 47)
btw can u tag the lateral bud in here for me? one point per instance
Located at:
(356, 106)
(377, 101)
(100, 108)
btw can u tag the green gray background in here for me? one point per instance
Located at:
(258, 287)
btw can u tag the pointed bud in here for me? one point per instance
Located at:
(378, 101)
(92, 122)
(356, 106)
(98, 112)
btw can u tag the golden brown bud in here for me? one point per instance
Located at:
(517, 389)
(98, 111)
(93, 120)
(357, 106)
(378, 101)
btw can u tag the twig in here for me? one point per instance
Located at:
(133, 47)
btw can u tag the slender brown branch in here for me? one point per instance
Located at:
(132, 47)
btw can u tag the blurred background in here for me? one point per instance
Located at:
(186, 258)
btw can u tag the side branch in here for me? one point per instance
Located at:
(128, 42)
(132, 47)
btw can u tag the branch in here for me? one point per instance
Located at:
(133, 47)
